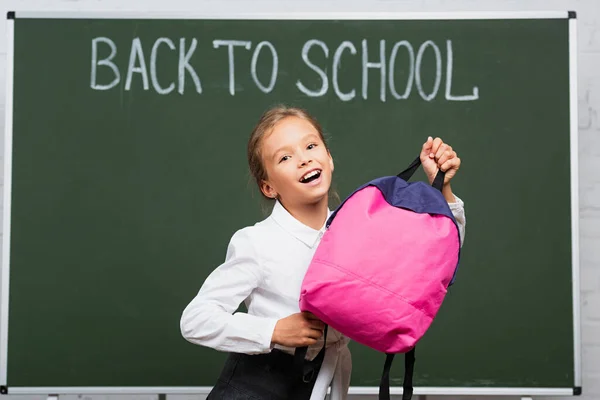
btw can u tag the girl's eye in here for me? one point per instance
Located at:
(311, 146)
(284, 158)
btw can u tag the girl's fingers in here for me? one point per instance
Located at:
(441, 150)
(314, 321)
(453, 163)
(446, 155)
(437, 142)
(318, 325)
(313, 333)
(427, 145)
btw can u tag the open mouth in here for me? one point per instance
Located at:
(311, 176)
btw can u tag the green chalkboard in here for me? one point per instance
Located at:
(128, 177)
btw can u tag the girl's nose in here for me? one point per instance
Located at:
(305, 161)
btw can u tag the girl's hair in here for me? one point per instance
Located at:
(264, 127)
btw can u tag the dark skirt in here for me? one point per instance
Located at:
(271, 376)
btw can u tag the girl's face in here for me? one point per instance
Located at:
(298, 165)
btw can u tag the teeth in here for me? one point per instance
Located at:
(310, 175)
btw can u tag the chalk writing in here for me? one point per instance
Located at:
(392, 69)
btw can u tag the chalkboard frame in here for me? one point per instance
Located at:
(6, 229)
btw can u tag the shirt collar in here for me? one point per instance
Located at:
(304, 233)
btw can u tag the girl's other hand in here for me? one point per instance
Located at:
(436, 155)
(298, 330)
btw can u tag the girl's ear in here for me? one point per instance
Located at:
(331, 163)
(268, 190)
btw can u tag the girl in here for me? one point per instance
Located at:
(266, 263)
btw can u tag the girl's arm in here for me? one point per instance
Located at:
(437, 155)
(457, 206)
(209, 320)
(458, 210)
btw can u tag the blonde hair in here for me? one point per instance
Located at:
(265, 126)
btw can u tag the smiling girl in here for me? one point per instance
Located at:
(265, 265)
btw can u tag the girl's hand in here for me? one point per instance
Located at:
(436, 155)
(298, 330)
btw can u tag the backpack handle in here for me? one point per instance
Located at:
(407, 386)
(438, 182)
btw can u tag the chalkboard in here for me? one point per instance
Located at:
(126, 175)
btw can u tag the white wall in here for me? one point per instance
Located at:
(588, 13)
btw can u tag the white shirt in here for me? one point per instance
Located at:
(264, 267)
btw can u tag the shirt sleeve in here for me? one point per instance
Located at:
(458, 210)
(209, 320)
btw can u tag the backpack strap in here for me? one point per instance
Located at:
(409, 364)
(405, 175)
(410, 170)
(300, 355)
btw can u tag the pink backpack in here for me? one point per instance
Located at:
(383, 267)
